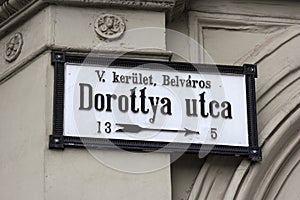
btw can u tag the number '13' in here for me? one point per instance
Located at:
(107, 127)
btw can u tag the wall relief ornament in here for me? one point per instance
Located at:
(109, 26)
(13, 47)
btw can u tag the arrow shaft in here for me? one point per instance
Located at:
(165, 130)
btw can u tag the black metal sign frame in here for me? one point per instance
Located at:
(58, 141)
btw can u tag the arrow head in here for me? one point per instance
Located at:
(190, 132)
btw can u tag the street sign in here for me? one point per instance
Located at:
(154, 106)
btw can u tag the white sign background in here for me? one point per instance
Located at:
(224, 87)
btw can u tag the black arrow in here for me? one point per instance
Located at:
(132, 128)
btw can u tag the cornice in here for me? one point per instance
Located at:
(9, 7)
(122, 4)
(13, 12)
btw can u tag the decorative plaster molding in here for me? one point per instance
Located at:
(14, 11)
(10, 7)
(166, 4)
(13, 47)
(135, 4)
(109, 26)
(198, 22)
(178, 9)
(278, 120)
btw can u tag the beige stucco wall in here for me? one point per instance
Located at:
(23, 132)
(29, 170)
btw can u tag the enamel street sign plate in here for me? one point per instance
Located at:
(154, 105)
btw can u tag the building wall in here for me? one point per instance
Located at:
(265, 33)
(23, 132)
